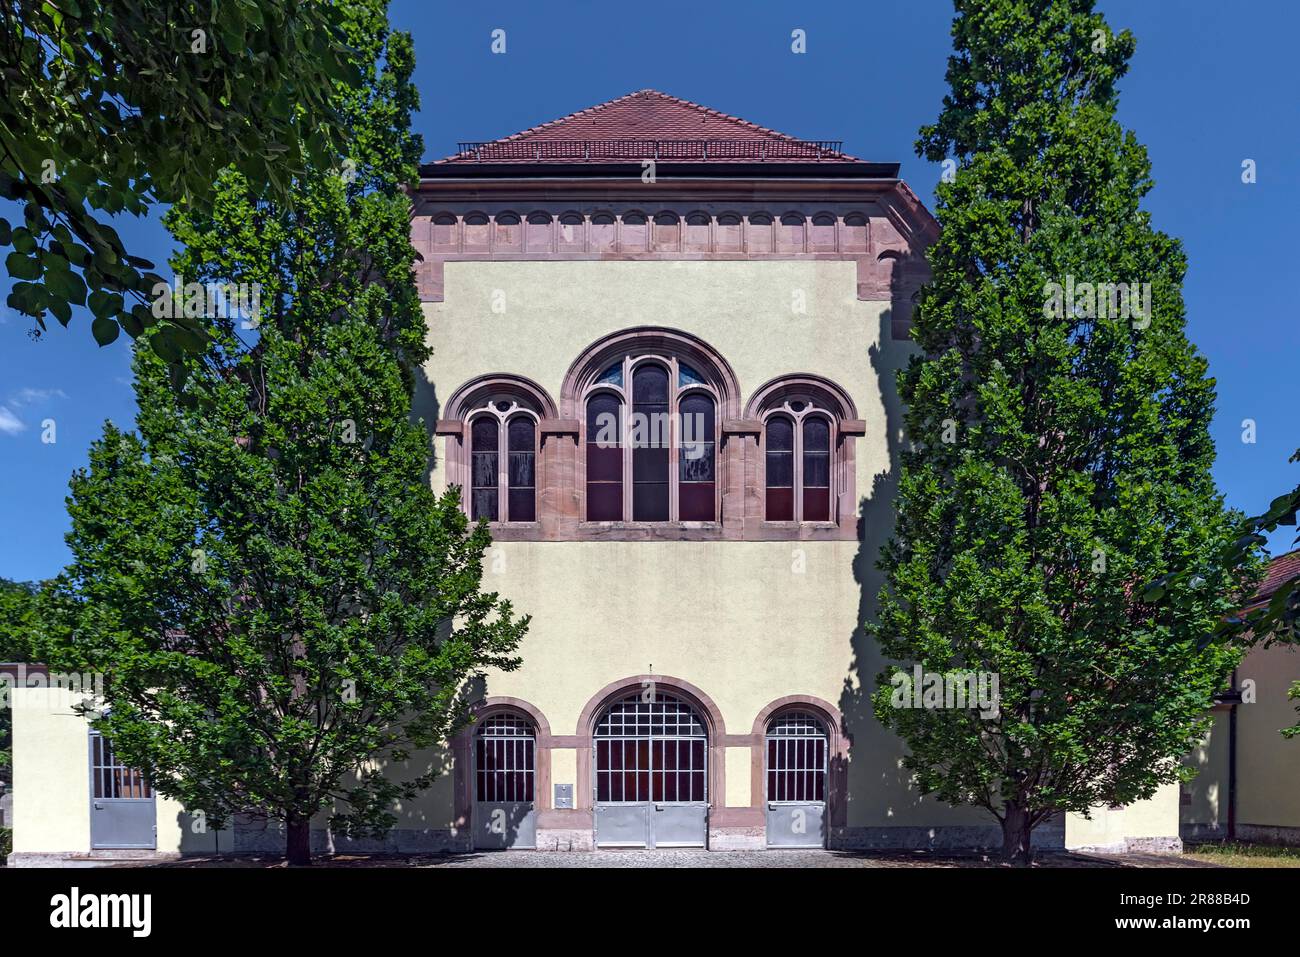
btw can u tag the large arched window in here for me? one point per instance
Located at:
(503, 462)
(651, 442)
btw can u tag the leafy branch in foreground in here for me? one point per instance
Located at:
(112, 106)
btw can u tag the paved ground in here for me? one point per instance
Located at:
(700, 858)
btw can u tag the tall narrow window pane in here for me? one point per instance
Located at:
(816, 470)
(484, 468)
(696, 457)
(650, 444)
(521, 447)
(604, 458)
(780, 469)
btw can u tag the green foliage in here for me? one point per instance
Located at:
(1077, 468)
(17, 621)
(282, 608)
(112, 106)
(1279, 618)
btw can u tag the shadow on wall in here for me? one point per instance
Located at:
(1203, 804)
(881, 790)
(876, 777)
(426, 407)
(422, 824)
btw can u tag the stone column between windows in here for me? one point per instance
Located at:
(741, 505)
(558, 506)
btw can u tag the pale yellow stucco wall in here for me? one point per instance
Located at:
(746, 622)
(1268, 765)
(1156, 817)
(1207, 793)
(564, 765)
(51, 772)
(52, 777)
(739, 785)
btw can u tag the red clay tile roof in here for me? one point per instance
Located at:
(1281, 569)
(649, 124)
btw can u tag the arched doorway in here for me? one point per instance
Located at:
(505, 782)
(650, 765)
(796, 756)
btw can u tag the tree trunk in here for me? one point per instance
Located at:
(298, 841)
(1016, 831)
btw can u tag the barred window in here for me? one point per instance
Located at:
(797, 747)
(505, 759)
(651, 750)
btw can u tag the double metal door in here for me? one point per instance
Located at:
(651, 774)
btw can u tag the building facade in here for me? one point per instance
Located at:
(665, 345)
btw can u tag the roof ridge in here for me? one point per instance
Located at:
(698, 107)
(735, 119)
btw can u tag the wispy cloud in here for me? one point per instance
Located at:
(10, 424)
(28, 396)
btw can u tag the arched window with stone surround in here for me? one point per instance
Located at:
(496, 461)
(651, 404)
(797, 462)
(806, 466)
(667, 445)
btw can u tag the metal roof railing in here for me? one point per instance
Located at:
(537, 149)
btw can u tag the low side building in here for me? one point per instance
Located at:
(1247, 785)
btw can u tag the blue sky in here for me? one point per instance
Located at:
(1211, 84)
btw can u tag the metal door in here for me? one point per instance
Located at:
(122, 809)
(797, 747)
(651, 774)
(505, 774)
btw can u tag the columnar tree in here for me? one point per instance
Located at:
(281, 607)
(1059, 456)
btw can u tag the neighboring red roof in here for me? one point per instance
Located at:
(625, 128)
(1281, 569)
